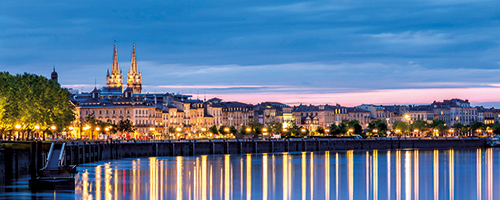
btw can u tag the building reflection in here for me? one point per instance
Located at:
(489, 173)
(179, 177)
(311, 171)
(451, 175)
(389, 175)
(265, 178)
(398, 175)
(337, 176)
(327, 175)
(350, 173)
(248, 178)
(375, 174)
(436, 174)
(408, 177)
(286, 177)
(303, 175)
(478, 173)
(416, 174)
(304, 165)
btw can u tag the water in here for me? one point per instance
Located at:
(395, 174)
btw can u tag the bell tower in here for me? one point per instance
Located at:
(115, 79)
(134, 80)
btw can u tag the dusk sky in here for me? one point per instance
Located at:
(347, 51)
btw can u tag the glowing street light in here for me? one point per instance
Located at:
(303, 130)
(203, 129)
(226, 129)
(285, 129)
(53, 127)
(407, 117)
(18, 126)
(249, 130)
(37, 127)
(97, 128)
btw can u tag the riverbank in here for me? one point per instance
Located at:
(16, 155)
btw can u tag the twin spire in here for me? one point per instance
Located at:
(115, 79)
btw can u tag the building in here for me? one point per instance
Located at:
(488, 115)
(274, 112)
(422, 112)
(455, 111)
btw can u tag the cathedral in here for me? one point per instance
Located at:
(114, 81)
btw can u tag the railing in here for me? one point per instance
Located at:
(49, 156)
(62, 155)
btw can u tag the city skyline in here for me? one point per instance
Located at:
(292, 52)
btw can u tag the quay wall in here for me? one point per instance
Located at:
(87, 153)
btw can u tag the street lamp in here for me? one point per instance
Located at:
(327, 131)
(178, 130)
(17, 126)
(249, 130)
(351, 130)
(53, 128)
(415, 132)
(37, 128)
(375, 131)
(451, 131)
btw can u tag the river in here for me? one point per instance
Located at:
(376, 174)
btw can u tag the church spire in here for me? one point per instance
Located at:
(134, 80)
(115, 79)
(115, 68)
(133, 63)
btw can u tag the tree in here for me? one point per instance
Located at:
(126, 126)
(496, 128)
(458, 127)
(222, 130)
(477, 127)
(342, 128)
(379, 125)
(256, 126)
(333, 129)
(243, 130)
(400, 128)
(213, 130)
(275, 127)
(355, 126)
(320, 130)
(233, 130)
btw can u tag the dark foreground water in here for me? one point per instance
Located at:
(396, 174)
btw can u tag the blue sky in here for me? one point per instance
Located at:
(291, 51)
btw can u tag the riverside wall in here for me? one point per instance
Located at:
(87, 153)
(15, 157)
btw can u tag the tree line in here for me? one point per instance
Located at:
(30, 103)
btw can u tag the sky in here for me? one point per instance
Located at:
(312, 52)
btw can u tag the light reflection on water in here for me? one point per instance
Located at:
(400, 174)
(395, 175)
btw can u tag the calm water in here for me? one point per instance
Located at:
(401, 174)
